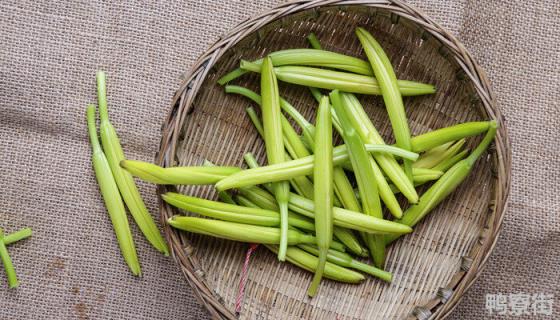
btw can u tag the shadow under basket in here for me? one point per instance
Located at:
(434, 265)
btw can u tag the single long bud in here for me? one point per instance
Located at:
(177, 175)
(345, 260)
(234, 213)
(240, 232)
(308, 57)
(385, 75)
(438, 137)
(299, 167)
(309, 262)
(343, 81)
(365, 176)
(341, 217)
(274, 143)
(323, 192)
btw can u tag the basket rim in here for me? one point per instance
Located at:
(472, 265)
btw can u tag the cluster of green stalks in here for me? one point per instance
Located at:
(314, 204)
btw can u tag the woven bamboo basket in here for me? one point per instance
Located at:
(433, 266)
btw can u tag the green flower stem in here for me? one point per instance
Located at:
(315, 44)
(252, 162)
(232, 75)
(112, 198)
(365, 176)
(259, 127)
(316, 93)
(17, 236)
(274, 143)
(484, 144)
(343, 81)
(445, 185)
(125, 182)
(197, 175)
(256, 122)
(307, 128)
(299, 148)
(309, 262)
(337, 246)
(7, 262)
(324, 193)
(346, 260)
(387, 80)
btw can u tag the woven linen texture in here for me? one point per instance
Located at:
(71, 267)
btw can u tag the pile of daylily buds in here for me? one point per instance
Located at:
(319, 206)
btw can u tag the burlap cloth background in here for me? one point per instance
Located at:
(49, 52)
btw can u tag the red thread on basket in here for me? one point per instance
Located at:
(244, 275)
